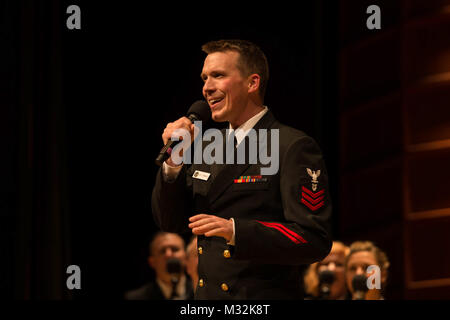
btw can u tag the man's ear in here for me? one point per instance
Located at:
(253, 82)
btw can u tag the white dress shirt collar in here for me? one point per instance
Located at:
(244, 128)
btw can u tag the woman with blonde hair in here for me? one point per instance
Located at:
(362, 255)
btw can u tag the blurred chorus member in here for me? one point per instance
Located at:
(333, 264)
(164, 246)
(362, 255)
(192, 261)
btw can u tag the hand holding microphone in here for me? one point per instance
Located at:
(199, 111)
(182, 123)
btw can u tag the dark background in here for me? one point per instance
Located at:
(83, 112)
(98, 99)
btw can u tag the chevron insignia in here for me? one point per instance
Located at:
(313, 200)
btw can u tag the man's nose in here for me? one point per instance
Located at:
(331, 266)
(208, 88)
(168, 253)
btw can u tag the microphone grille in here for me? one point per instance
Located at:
(173, 265)
(359, 283)
(201, 110)
(326, 277)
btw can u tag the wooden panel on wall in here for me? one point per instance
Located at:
(371, 196)
(354, 16)
(371, 132)
(429, 176)
(427, 51)
(432, 290)
(395, 137)
(428, 113)
(429, 249)
(419, 8)
(370, 70)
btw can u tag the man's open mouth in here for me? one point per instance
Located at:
(214, 102)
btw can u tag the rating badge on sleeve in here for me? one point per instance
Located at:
(314, 175)
(313, 199)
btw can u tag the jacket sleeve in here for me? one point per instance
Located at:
(172, 203)
(302, 236)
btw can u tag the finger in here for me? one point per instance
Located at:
(185, 120)
(171, 133)
(172, 126)
(180, 133)
(199, 217)
(205, 228)
(218, 232)
(201, 222)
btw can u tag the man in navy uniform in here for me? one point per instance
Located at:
(255, 233)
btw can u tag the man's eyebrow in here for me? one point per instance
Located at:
(213, 73)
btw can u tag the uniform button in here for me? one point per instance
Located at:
(201, 283)
(224, 287)
(200, 250)
(226, 254)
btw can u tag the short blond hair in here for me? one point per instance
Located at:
(251, 59)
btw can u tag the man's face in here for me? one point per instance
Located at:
(166, 247)
(225, 89)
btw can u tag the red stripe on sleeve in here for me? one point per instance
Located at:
(294, 237)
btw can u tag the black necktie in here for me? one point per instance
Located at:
(174, 294)
(235, 150)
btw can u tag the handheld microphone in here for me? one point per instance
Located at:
(359, 284)
(199, 111)
(173, 266)
(326, 279)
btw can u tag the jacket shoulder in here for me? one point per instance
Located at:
(289, 135)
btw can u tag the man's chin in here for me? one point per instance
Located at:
(218, 117)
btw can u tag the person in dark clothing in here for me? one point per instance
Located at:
(163, 247)
(256, 231)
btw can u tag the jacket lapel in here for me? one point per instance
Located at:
(227, 173)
